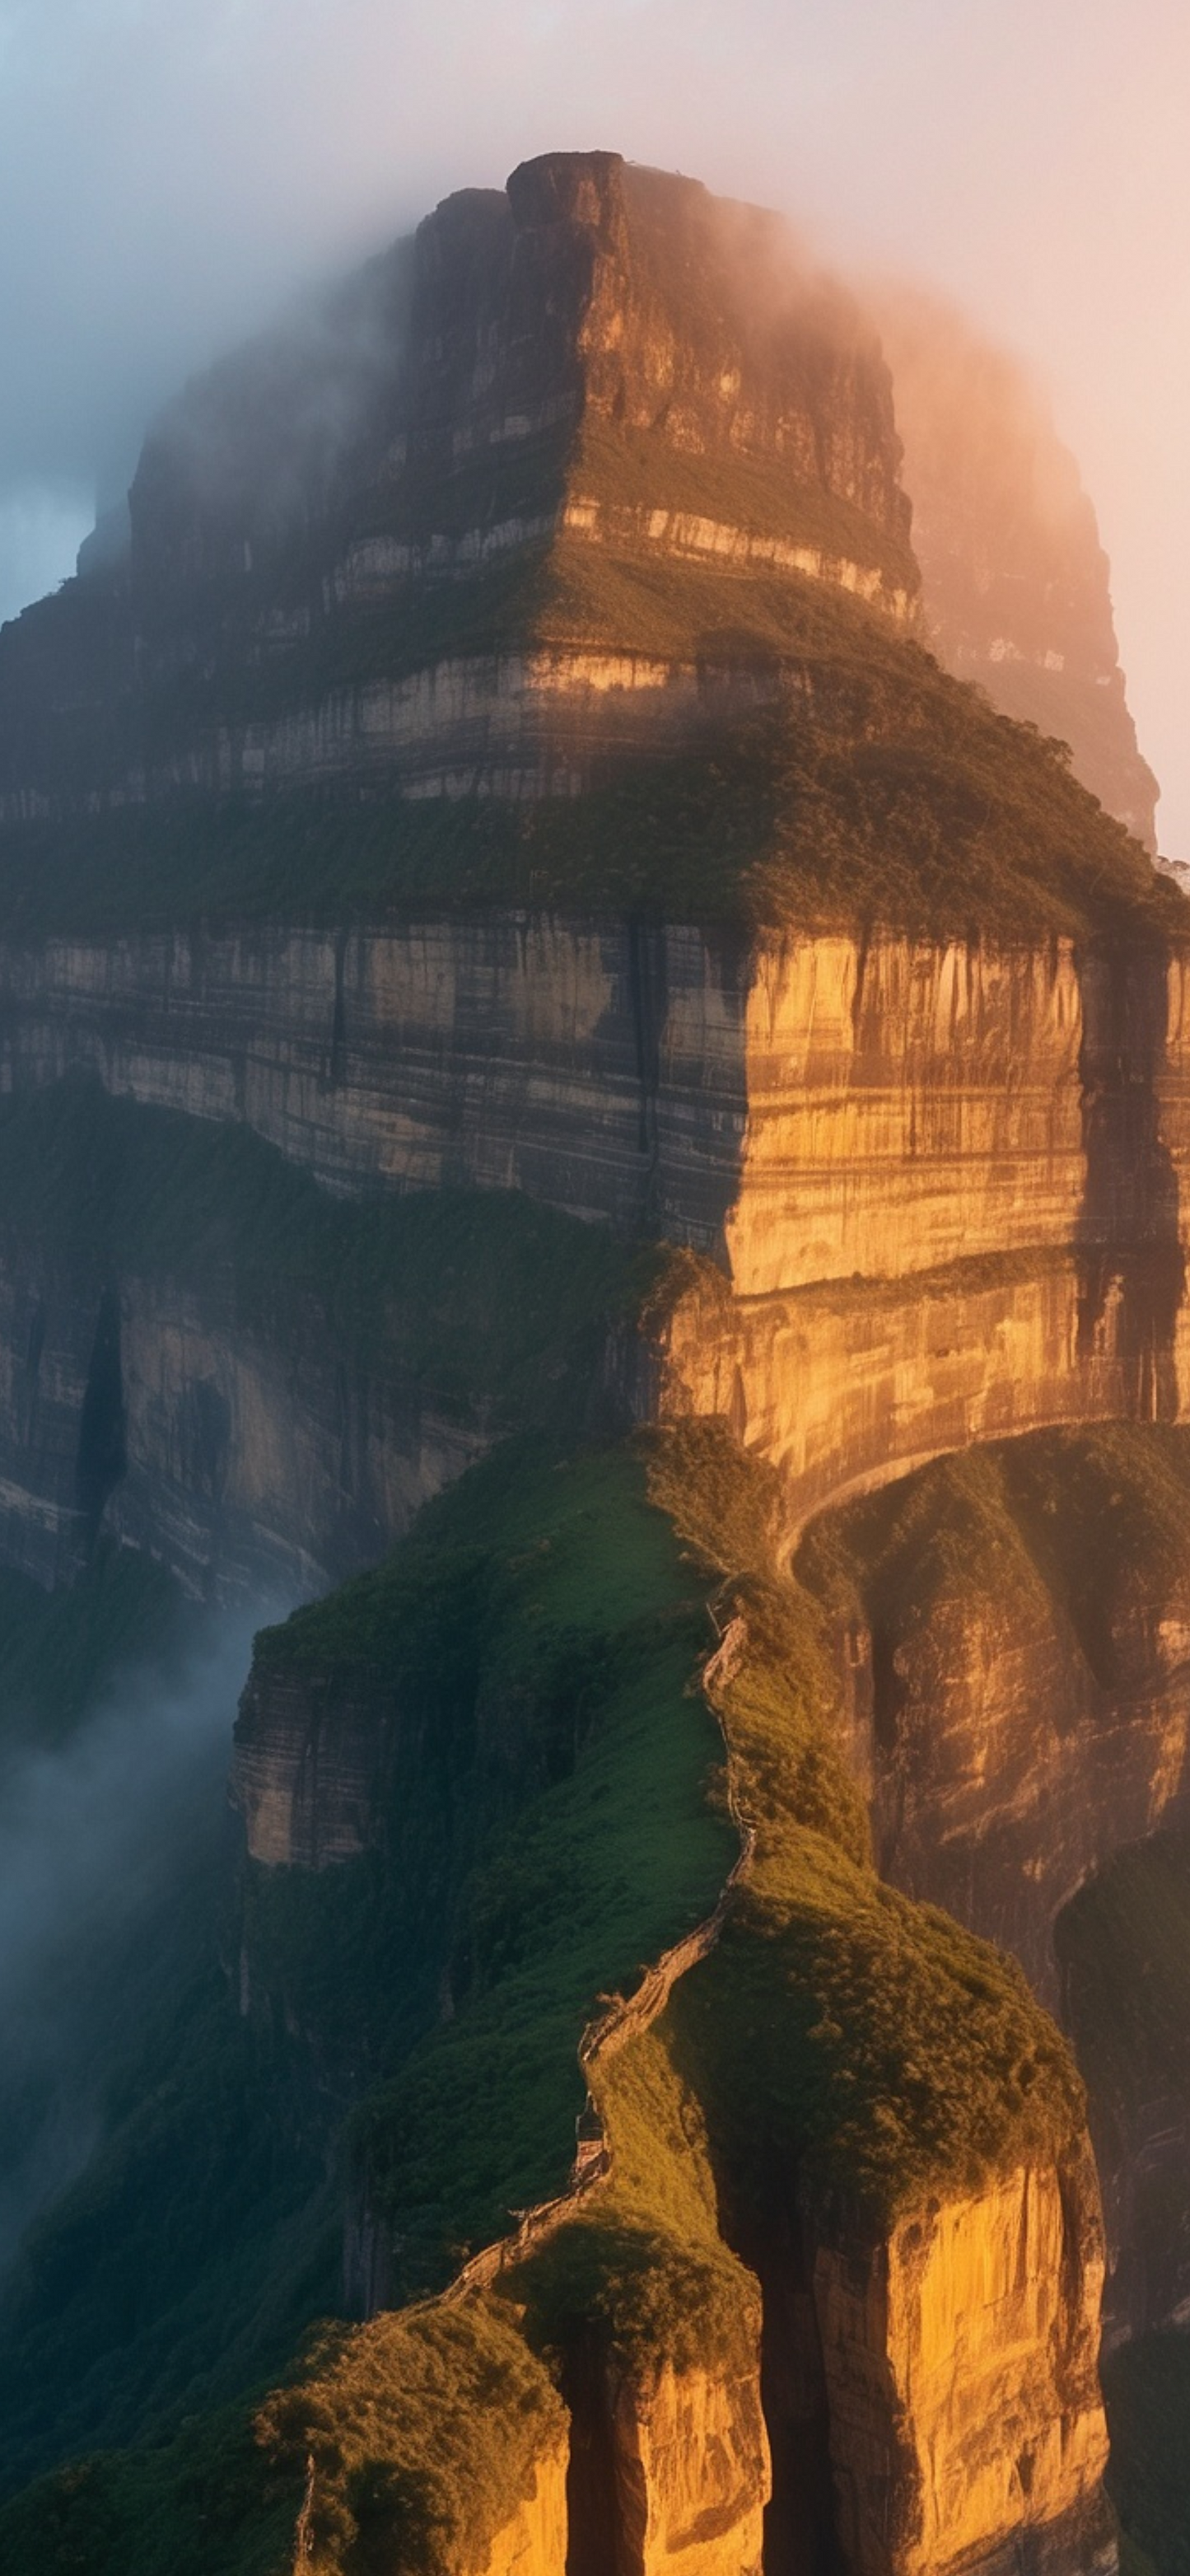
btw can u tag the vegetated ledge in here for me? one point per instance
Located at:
(907, 2061)
(878, 792)
(834, 2031)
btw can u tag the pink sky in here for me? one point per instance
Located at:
(167, 173)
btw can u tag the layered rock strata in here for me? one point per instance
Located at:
(942, 1186)
(1015, 582)
(1003, 1765)
(814, 1108)
(368, 548)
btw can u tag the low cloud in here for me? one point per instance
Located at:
(99, 1841)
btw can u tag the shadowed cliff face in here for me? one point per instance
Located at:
(1129, 1230)
(1015, 583)
(939, 1185)
(1011, 1631)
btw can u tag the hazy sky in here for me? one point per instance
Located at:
(169, 171)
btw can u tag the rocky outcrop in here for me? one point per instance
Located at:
(250, 1463)
(1014, 1660)
(669, 2472)
(691, 2466)
(940, 1184)
(366, 549)
(960, 2360)
(815, 1109)
(1123, 1950)
(533, 2543)
(1015, 583)
(308, 1771)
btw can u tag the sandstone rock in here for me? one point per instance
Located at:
(691, 2470)
(966, 2424)
(533, 2543)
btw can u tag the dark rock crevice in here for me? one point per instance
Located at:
(102, 1457)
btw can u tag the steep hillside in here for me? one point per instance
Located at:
(543, 1043)
(895, 2160)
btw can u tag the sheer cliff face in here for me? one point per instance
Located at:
(941, 1188)
(1014, 580)
(377, 547)
(961, 2365)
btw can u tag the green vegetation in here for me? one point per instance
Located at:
(494, 1309)
(843, 2031)
(877, 792)
(642, 2267)
(633, 470)
(550, 1621)
(202, 2502)
(554, 1816)
(838, 2028)
(425, 2431)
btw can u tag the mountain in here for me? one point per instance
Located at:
(576, 1107)
(1014, 579)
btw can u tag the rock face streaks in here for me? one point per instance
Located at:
(940, 1188)
(344, 538)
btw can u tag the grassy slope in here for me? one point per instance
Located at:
(822, 1976)
(579, 1583)
(562, 1602)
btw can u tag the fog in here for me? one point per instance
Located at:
(169, 175)
(102, 1843)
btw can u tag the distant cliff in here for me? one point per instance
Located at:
(1015, 583)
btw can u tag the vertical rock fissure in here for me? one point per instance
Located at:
(1128, 1243)
(593, 2511)
(648, 997)
(102, 1456)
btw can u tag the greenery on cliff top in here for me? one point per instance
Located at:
(552, 1792)
(878, 793)
(426, 2431)
(838, 2028)
(541, 1623)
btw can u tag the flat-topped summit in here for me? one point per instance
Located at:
(558, 557)
(461, 523)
